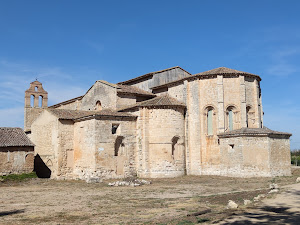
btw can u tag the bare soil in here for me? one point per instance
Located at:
(165, 201)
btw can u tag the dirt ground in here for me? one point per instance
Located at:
(165, 201)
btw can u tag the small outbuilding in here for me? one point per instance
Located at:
(16, 151)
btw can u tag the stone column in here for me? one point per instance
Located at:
(243, 101)
(221, 117)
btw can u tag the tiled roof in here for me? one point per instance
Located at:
(150, 74)
(13, 136)
(77, 114)
(252, 132)
(217, 71)
(66, 102)
(223, 70)
(163, 100)
(133, 90)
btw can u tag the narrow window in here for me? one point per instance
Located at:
(114, 128)
(98, 106)
(230, 119)
(32, 100)
(40, 101)
(247, 116)
(36, 88)
(174, 145)
(209, 122)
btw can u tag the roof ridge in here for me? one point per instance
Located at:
(152, 73)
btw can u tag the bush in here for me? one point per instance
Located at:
(295, 157)
(18, 177)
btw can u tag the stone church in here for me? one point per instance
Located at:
(166, 123)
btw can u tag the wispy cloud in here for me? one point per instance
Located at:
(281, 66)
(15, 78)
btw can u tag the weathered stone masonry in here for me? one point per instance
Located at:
(162, 124)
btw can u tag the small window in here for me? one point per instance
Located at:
(36, 88)
(209, 122)
(174, 145)
(230, 119)
(114, 128)
(247, 116)
(98, 106)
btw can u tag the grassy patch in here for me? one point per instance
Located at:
(18, 177)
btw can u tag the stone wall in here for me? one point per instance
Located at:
(84, 149)
(65, 154)
(125, 100)
(280, 155)
(30, 114)
(255, 156)
(45, 136)
(159, 79)
(161, 150)
(101, 153)
(76, 105)
(101, 91)
(16, 160)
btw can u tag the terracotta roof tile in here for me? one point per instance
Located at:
(252, 132)
(223, 70)
(77, 114)
(217, 71)
(13, 136)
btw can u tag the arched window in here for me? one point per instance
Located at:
(36, 88)
(32, 100)
(230, 118)
(210, 121)
(98, 106)
(40, 101)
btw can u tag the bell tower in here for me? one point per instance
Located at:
(36, 100)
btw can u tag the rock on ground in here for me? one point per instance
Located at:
(232, 205)
(247, 202)
(273, 186)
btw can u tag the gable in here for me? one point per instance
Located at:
(103, 92)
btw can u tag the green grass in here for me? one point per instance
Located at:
(18, 177)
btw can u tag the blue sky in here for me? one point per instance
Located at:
(69, 45)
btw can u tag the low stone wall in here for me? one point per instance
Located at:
(16, 160)
(255, 156)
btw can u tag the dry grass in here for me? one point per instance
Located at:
(166, 201)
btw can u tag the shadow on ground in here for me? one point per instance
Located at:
(7, 213)
(269, 215)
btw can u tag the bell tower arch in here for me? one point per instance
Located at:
(34, 95)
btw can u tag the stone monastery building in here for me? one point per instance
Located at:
(162, 124)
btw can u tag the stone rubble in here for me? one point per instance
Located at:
(232, 205)
(274, 186)
(133, 183)
(259, 197)
(273, 191)
(247, 202)
(298, 180)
